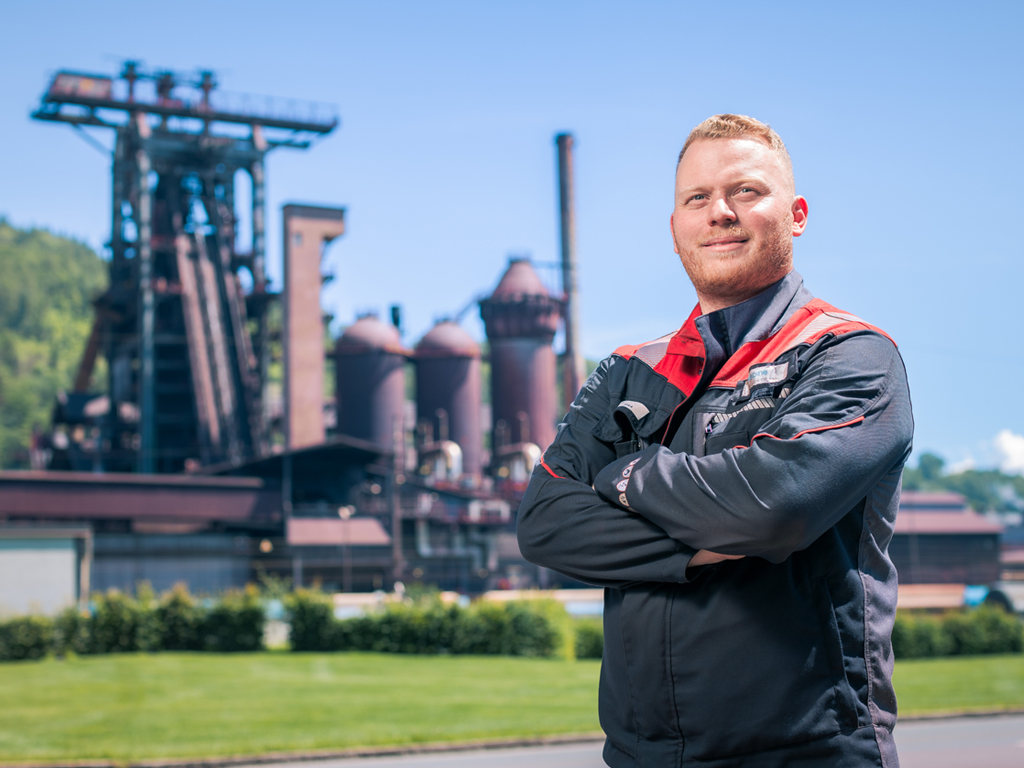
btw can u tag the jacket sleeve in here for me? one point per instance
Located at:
(564, 525)
(846, 424)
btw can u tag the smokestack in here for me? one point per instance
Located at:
(307, 229)
(572, 363)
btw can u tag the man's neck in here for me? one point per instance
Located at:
(709, 303)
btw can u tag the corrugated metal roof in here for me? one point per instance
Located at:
(327, 531)
(181, 498)
(910, 521)
(1012, 557)
(930, 596)
(19, 476)
(933, 500)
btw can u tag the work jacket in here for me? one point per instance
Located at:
(775, 429)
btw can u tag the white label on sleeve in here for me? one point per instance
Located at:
(639, 410)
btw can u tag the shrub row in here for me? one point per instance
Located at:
(522, 628)
(119, 623)
(983, 630)
(589, 639)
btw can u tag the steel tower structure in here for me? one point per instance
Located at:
(186, 346)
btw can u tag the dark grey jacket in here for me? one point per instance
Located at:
(776, 429)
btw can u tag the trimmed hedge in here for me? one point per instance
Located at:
(589, 639)
(176, 621)
(120, 623)
(180, 620)
(525, 628)
(234, 623)
(26, 637)
(961, 633)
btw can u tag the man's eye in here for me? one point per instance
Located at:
(697, 198)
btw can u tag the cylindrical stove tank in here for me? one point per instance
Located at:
(448, 390)
(370, 381)
(521, 319)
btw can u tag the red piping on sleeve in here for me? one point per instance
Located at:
(550, 472)
(806, 431)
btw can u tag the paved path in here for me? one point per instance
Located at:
(561, 756)
(966, 742)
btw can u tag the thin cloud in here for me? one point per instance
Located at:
(1010, 447)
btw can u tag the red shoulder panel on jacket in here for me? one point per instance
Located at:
(813, 321)
(678, 356)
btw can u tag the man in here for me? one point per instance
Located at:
(734, 485)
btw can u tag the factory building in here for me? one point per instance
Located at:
(193, 465)
(940, 540)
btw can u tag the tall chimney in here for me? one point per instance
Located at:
(573, 372)
(307, 229)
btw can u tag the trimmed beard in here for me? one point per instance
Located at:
(739, 282)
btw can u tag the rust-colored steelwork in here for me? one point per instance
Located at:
(186, 368)
(521, 319)
(307, 229)
(370, 381)
(448, 390)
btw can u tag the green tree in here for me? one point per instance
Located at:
(46, 294)
(930, 467)
(984, 489)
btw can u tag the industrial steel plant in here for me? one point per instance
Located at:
(191, 463)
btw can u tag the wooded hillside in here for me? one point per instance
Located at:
(985, 489)
(47, 284)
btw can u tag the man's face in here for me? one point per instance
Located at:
(734, 220)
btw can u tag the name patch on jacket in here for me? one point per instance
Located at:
(762, 377)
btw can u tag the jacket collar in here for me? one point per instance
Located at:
(726, 330)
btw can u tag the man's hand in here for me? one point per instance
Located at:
(704, 557)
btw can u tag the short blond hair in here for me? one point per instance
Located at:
(738, 127)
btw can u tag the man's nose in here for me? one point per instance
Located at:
(720, 213)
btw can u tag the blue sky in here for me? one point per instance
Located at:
(904, 121)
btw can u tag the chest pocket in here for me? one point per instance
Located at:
(728, 430)
(748, 411)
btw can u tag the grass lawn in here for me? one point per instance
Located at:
(960, 684)
(132, 707)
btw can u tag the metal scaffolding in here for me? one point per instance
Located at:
(187, 347)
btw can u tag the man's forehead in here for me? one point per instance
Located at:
(709, 160)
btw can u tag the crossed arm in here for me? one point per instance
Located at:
(846, 424)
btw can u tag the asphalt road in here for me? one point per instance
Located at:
(966, 742)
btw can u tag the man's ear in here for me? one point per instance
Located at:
(799, 215)
(672, 230)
